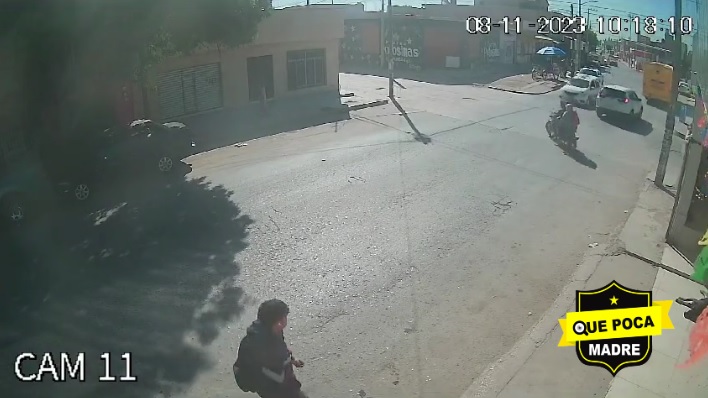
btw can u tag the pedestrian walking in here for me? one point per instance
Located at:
(265, 362)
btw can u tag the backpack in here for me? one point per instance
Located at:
(245, 368)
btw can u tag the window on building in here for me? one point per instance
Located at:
(306, 68)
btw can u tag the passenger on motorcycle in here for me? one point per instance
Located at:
(569, 122)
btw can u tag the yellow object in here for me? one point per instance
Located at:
(657, 82)
(704, 240)
(615, 324)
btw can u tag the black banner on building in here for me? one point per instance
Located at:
(489, 47)
(405, 44)
(351, 50)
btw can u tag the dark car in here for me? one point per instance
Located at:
(23, 188)
(94, 158)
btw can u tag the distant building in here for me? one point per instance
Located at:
(435, 35)
(296, 50)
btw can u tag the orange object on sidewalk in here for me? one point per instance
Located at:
(698, 341)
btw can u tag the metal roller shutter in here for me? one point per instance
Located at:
(190, 91)
(169, 87)
(207, 86)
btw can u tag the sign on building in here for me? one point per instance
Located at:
(490, 48)
(405, 43)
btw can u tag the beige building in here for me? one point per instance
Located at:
(296, 51)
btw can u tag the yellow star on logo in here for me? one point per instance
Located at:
(613, 300)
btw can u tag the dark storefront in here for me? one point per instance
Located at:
(698, 210)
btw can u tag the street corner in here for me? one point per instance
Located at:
(525, 84)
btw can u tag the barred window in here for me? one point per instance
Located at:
(306, 68)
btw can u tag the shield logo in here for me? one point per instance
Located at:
(613, 354)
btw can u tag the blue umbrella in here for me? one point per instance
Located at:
(551, 51)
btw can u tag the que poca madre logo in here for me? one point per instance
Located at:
(613, 326)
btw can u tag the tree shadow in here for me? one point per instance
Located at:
(417, 135)
(147, 268)
(230, 126)
(636, 126)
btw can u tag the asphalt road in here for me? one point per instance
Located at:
(413, 250)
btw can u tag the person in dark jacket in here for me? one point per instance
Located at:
(569, 122)
(270, 353)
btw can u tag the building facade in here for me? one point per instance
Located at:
(689, 219)
(296, 51)
(435, 35)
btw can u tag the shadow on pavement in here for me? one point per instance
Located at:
(641, 126)
(417, 135)
(230, 126)
(148, 269)
(658, 104)
(581, 158)
(482, 75)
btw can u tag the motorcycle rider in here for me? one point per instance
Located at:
(568, 123)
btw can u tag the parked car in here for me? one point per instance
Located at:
(592, 72)
(685, 89)
(23, 189)
(593, 65)
(580, 90)
(93, 158)
(619, 100)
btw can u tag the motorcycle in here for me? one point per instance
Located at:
(554, 133)
(695, 307)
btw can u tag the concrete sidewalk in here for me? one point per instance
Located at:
(479, 75)
(660, 377)
(524, 84)
(230, 126)
(537, 368)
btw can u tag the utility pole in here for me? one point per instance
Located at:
(576, 47)
(580, 38)
(382, 33)
(391, 62)
(588, 21)
(671, 112)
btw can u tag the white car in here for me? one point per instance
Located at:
(684, 89)
(620, 101)
(580, 90)
(592, 72)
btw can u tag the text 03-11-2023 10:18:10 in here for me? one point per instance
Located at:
(578, 25)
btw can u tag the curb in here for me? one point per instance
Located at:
(492, 381)
(523, 92)
(346, 108)
(680, 134)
